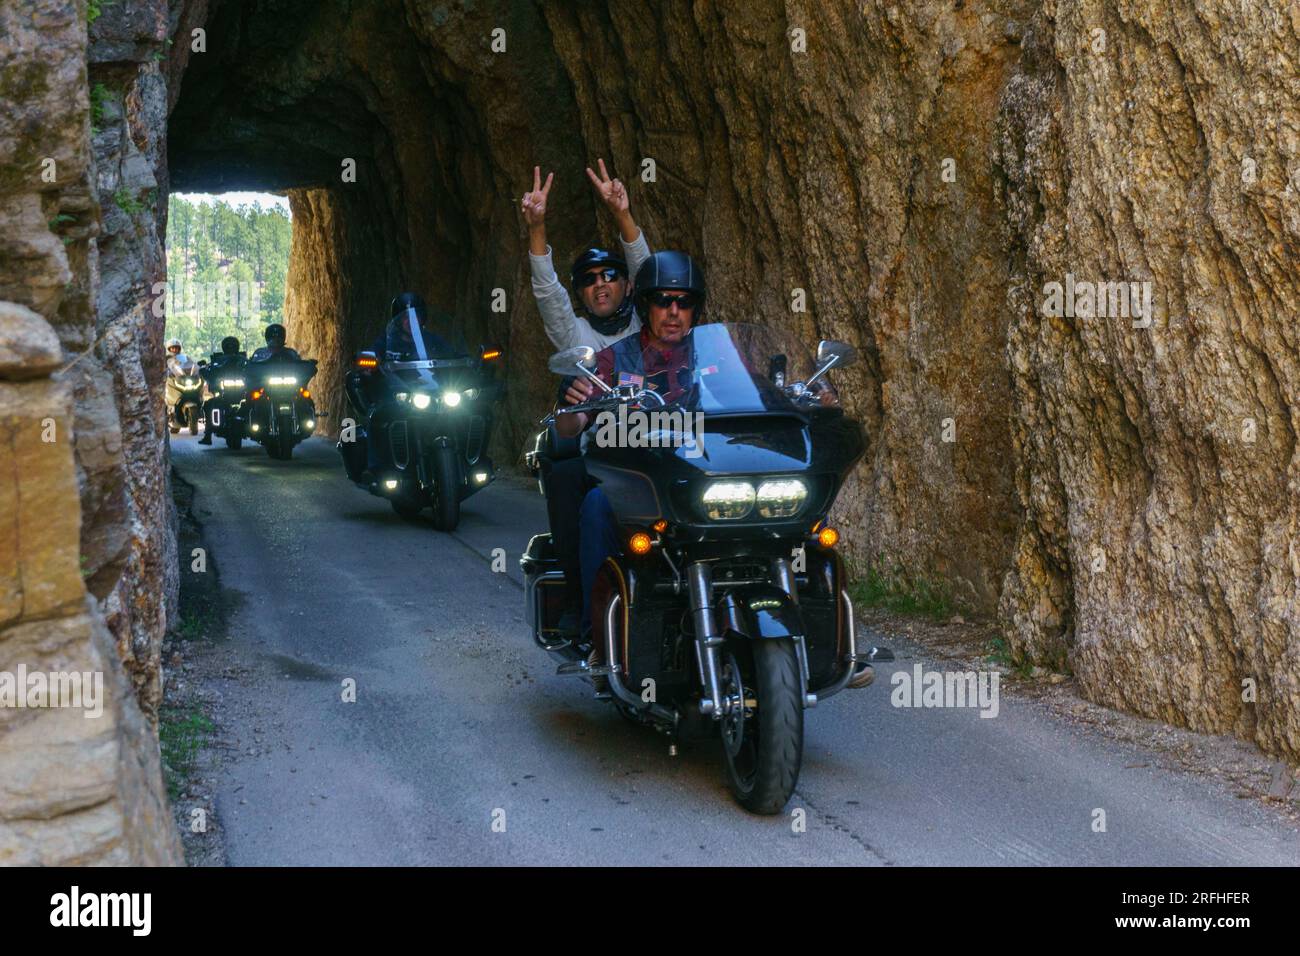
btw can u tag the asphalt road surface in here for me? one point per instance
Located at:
(464, 747)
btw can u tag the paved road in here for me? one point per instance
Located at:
(460, 717)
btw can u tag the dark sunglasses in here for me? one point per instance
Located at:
(589, 278)
(665, 300)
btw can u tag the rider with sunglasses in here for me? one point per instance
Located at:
(670, 293)
(599, 277)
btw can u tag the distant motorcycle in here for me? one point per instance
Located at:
(727, 611)
(278, 409)
(185, 396)
(430, 410)
(226, 416)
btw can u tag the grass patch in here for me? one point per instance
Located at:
(182, 733)
(901, 594)
(193, 625)
(1000, 653)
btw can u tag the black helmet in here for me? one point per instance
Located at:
(409, 300)
(671, 271)
(274, 331)
(230, 345)
(592, 258)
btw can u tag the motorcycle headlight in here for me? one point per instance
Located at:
(420, 400)
(451, 399)
(728, 500)
(782, 498)
(282, 380)
(232, 383)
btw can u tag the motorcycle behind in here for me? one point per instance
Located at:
(278, 409)
(184, 390)
(726, 612)
(226, 418)
(428, 409)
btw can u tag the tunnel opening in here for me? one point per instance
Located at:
(387, 142)
(227, 267)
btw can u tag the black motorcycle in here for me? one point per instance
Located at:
(278, 410)
(226, 417)
(429, 410)
(727, 607)
(185, 397)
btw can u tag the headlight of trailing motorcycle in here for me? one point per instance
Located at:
(282, 380)
(782, 498)
(232, 383)
(421, 400)
(728, 500)
(451, 399)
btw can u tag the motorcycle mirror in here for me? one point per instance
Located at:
(841, 353)
(582, 358)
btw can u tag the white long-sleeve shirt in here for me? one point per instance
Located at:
(564, 327)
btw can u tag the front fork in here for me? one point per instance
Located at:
(699, 581)
(708, 641)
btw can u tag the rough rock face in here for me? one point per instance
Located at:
(87, 564)
(921, 172)
(1158, 467)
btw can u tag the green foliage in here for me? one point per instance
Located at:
(129, 204)
(98, 96)
(95, 9)
(1000, 653)
(182, 732)
(900, 593)
(211, 244)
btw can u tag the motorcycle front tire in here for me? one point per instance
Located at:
(446, 505)
(763, 775)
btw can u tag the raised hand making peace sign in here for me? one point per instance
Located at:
(534, 203)
(611, 191)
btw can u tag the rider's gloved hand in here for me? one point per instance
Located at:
(579, 391)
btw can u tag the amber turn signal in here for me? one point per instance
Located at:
(491, 354)
(660, 526)
(257, 393)
(368, 362)
(639, 543)
(828, 537)
(304, 393)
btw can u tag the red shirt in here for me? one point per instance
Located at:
(666, 371)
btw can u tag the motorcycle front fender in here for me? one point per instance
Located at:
(760, 611)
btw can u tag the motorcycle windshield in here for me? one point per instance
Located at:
(732, 368)
(408, 341)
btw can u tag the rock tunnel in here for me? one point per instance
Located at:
(1119, 494)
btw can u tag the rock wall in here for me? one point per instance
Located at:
(1158, 467)
(88, 567)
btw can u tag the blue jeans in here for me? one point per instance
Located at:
(597, 540)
